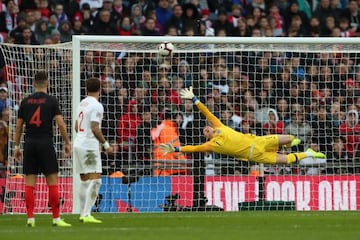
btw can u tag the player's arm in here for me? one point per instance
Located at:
(188, 94)
(18, 133)
(169, 148)
(62, 127)
(95, 128)
(60, 122)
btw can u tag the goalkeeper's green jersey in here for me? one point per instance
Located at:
(225, 141)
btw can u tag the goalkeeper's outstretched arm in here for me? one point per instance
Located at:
(188, 94)
(169, 148)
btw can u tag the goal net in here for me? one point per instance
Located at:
(21, 63)
(305, 87)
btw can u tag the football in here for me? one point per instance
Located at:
(166, 49)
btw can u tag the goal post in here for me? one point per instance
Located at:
(311, 83)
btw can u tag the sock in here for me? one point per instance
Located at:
(294, 157)
(29, 201)
(91, 195)
(82, 196)
(54, 200)
(291, 139)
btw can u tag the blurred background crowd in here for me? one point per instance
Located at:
(313, 96)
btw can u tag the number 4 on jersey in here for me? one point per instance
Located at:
(35, 118)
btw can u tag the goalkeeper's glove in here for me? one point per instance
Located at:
(187, 93)
(168, 148)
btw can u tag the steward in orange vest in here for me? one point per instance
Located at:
(167, 132)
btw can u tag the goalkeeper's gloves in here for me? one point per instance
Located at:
(168, 148)
(187, 93)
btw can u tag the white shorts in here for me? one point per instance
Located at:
(87, 161)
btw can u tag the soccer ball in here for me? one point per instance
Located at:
(166, 49)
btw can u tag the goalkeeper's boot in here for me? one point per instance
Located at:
(315, 154)
(295, 142)
(90, 219)
(81, 218)
(30, 223)
(60, 223)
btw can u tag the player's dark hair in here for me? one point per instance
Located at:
(92, 85)
(41, 77)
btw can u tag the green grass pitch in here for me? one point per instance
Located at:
(290, 225)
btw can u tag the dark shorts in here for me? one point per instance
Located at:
(40, 157)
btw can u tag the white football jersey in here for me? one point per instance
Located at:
(90, 110)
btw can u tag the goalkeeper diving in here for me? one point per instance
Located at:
(246, 147)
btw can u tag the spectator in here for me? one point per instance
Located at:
(162, 12)
(41, 31)
(228, 117)
(338, 157)
(137, 16)
(273, 125)
(143, 140)
(88, 18)
(43, 7)
(323, 11)
(8, 16)
(298, 126)
(114, 15)
(241, 29)
(282, 109)
(345, 29)
(53, 23)
(55, 36)
(103, 25)
(60, 14)
(323, 129)
(191, 17)
(126, 132)
(297, 28)
(27, 37)
(176, 20)
(149, 28)
(222, 23)
(66, 32)
(292, 11)
(126, 27)
(350, 131)
(78, 27)
(16, 32)
(184, 72)
(353, 16)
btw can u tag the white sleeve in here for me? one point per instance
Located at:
(97, 114)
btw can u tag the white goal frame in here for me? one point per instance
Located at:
(265, 43)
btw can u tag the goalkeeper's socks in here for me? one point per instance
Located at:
(294, 157)
(29, 201)
(54, 200)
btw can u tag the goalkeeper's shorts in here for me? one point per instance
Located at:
(264, 149)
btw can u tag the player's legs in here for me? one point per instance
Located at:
(50, 168)
(54, 196)
(294, 157)
(88, 163)
(31, 169)
(94, 183)
(30, 181)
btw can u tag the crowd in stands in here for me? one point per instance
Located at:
(314, 97)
